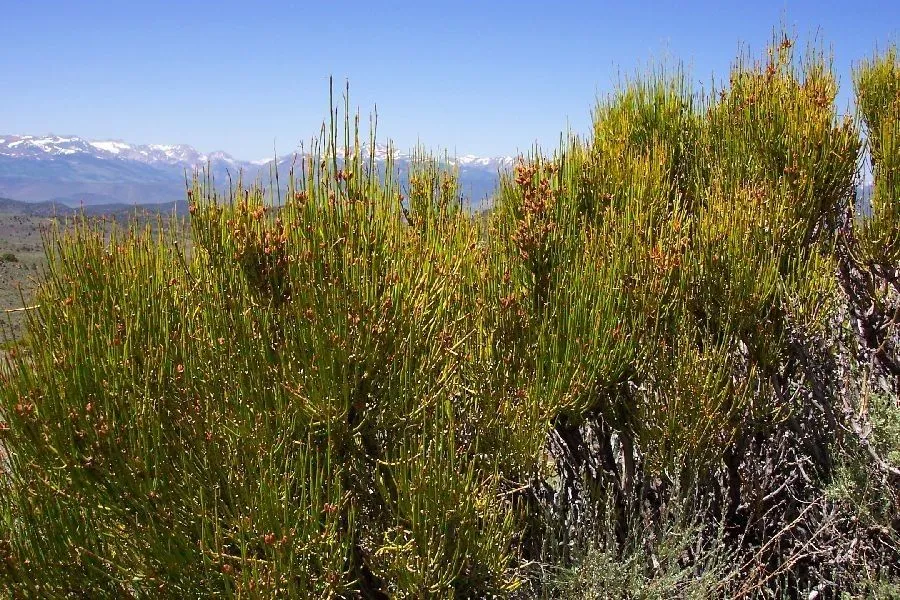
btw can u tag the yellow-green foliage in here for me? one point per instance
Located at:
(351, 390)
(676, 240)
(878, 93)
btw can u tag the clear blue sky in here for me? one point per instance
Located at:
(485, 78)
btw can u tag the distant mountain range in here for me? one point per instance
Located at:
(72, 171)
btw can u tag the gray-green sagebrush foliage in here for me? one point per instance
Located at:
(663, 366)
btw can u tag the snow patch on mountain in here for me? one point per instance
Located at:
(113, 147)
(470, 160)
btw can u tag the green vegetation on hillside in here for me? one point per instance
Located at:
(664, 365)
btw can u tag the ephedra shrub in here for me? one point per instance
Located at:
(280, 411)
(647, 356)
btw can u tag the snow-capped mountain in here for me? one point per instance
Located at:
(72, 170)
(51, 146)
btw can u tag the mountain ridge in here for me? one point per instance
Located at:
(75, 171)
(51, 209)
